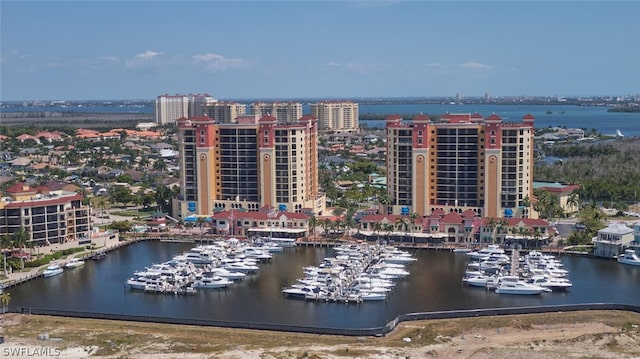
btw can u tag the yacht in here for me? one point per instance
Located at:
(52, 269)
(513, 285)
(212, 282)
(492, 249)
(74, 263)
(629, 257)
(553, 283)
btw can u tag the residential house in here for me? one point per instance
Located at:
(612, 240)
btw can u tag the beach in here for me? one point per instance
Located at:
(591, 334)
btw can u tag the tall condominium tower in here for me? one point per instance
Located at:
(224, 112)
(169, 108)
(340, 116)
(284, 112)
(249, 165)
(464, 162)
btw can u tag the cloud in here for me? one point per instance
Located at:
(433, 64)
(475, 65)
(332, 64)
(109, 58)
(218, 63)
(148, 54)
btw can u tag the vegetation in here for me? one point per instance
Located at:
(607, 173)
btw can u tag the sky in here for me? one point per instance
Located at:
(89, 50)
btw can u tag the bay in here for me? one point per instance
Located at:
(435, 284)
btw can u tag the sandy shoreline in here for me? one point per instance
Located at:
(592, 334)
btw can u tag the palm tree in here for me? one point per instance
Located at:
(377, 226)
(5, 298)
(573, 202)
(313, 222)
(388, 228)
(201, 221)
(20, 239)
(5, 243)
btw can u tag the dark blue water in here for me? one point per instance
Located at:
(435, 284)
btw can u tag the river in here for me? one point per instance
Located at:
(434, 284)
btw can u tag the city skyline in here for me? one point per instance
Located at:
(324, 49)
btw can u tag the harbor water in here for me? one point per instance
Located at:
(435, 284)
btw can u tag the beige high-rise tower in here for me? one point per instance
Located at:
(339, 116)
(464, 162)
(249, 165)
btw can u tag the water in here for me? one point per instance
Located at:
(434, 285)
(570, 116)
(565, 116)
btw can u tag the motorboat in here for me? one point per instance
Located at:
(221, 272)
(553, 283)
(629, 257)
(514, 285)
(53, 269)
(212, 282)
(99, 255)
(492, 249)
(74, 263)
(480, 281)
(300, 292)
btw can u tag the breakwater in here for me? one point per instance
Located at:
(375, 331)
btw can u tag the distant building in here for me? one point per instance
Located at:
(339, 116)
(169, 108)
(224, 112)
(284, 112)
(48, 216)
(563, 192)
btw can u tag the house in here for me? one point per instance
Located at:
(612, 240)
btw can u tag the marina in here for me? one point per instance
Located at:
(433, 285)
(208, 266)
(533, 273)
(358, 273)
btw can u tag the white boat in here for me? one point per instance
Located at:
(492, 249)
(629, 257)
(221, 272)
(212, 282)
(370, 295)
(74, 263)
(282, 242)
(480, 281)
(553, 283)
(513, 285)
(52, 269)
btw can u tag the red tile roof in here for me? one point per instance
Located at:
(451, 218)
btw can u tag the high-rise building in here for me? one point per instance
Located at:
(339, 116)
(284, 112)
(224, 111)
(464, 162)
(249, 165)
(169, 108)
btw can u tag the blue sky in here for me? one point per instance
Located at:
(79, 50)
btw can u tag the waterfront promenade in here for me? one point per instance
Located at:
(105, 244)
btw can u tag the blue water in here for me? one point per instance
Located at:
(435, 284)
(564, 116)
(570, 116)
